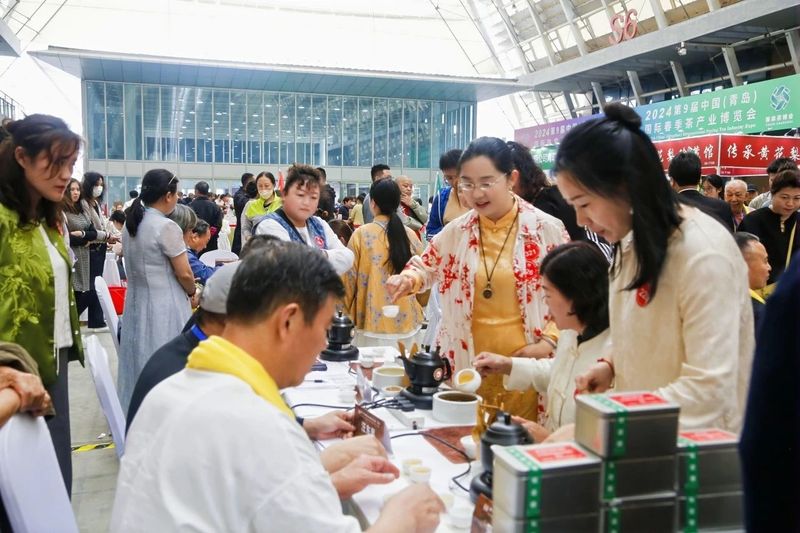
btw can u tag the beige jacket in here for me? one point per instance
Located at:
(693, 343)
(556, 376)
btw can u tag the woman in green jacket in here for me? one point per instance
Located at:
(37, 304)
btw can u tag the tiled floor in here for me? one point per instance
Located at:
(94, 473)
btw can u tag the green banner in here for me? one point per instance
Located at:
(754, 108)
(545, 156)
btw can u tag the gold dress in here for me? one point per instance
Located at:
(497, 325)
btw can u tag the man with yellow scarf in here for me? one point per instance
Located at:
(215, 448)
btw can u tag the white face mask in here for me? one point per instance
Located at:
(265, 194)
(97, 191)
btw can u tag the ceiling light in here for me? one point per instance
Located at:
(301, 107)
(255, 115)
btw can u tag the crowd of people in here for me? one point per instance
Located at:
(611, 276)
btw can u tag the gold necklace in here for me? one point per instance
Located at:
(487, 291)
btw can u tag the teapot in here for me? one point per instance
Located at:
(426, 370)
(340, 337)
(502, 432)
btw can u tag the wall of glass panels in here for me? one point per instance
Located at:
(138, 122)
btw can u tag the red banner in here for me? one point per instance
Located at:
(757, 151)
(706, 147)
(732, 155)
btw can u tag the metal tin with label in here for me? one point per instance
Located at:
(626, 424)
(502, 522)
(711, 511)
(654, 514)
(624, 478)
(546, 480)
(708, 462)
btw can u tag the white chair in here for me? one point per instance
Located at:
(33, 490)
(109, 312)
(97, 358)
(211, 258)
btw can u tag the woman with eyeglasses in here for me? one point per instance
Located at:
(487, 264)
(161, 289)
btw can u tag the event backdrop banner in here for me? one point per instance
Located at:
(547, 134)
(754, 108)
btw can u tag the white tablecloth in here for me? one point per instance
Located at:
(368, 503)
(111, 271)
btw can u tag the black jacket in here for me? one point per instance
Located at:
(765, 224)
(211, 213)
(327, 203)
(240, 200)
(770, 442)
(711, 206)
(166, 361)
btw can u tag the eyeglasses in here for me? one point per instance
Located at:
(468, 186)
(173, 178)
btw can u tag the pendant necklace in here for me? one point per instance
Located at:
(487, 291)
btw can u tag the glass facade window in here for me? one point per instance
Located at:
(115, 122)
(287, 128)
(222, 126)
(204, 120)
(238, 112)
(137, 122)
(96, 118)
(271, 128)
(133, 122)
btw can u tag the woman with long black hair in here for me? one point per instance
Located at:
(534, 187)
(160, 280)
(381, 248)
(92, 190)
(680, 318)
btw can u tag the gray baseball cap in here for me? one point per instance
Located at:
(214, 297)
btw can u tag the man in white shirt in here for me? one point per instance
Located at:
(296, 222)
(215, 448)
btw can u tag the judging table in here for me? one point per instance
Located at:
(322, 387)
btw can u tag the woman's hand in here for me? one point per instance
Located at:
(491, 363)
(398, 286)
(597, 379)
(537, 432)
(195, 299)
(112, 240)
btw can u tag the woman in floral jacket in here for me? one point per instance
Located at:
(487, 265)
